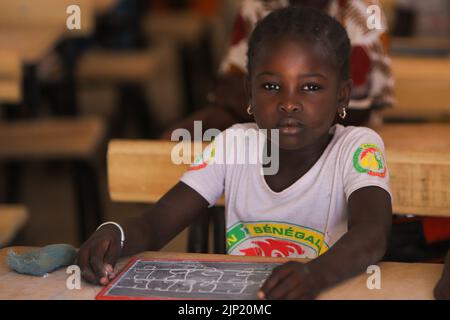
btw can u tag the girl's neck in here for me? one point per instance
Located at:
(293, 160)
(300, 161)
(294, 164)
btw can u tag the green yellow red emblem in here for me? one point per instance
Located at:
(205, 158)
(369, 159)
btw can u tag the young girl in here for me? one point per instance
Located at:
(328, 201)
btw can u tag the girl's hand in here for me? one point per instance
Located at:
(442, 289)
(99, 254)
(292, 280)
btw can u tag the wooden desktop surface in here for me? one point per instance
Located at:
(398, 280)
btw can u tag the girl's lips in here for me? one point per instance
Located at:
(289, 126)
(289, 129)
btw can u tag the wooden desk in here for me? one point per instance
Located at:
(137, 66)
(422, 88)
(398, 280)
(420, 46)
(55, 138)
(102, 6)
(25, 14)
(418, 158)
(29, 45)
(183, 27)
(10, 77)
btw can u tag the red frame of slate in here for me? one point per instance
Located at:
(101, 295)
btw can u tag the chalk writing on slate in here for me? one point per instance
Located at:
(147, 278)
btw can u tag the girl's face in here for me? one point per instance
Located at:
(294, 87)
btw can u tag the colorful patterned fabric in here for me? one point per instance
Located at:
(370, 65)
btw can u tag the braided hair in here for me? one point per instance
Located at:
(307, 24)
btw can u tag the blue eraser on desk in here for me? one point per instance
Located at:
(43, 260)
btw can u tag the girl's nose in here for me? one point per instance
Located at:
(289, 107)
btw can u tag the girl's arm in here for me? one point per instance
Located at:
(365, 243)
(149, 231)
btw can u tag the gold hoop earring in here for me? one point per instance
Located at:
(249, 110)
(343, 114)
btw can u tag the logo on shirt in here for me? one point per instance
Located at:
(273, 239)
(273, 248)
(369, 159)
(205, 158)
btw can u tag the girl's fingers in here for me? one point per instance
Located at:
(278, 274)
(88, 275)
(111, 256)
(284, 287)
(261, 295)
(96, 261)
(85, 266)
(99, 269)
(293, 295)
(83, 259)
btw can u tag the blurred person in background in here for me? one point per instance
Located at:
(370, 65)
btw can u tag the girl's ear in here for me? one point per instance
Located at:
(345, 91)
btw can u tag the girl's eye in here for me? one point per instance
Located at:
(311, 87)
(271, 86)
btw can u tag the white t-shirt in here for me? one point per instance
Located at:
(303, 220)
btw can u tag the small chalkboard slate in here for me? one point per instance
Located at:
(187, 279)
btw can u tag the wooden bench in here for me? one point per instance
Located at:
(10, 78)
(102, 6)
(420, 46)
(422, 88)
(25, 14)
(181, 27)
(191, 34)
(73, 140)
(119, 66)
(12, 219)
(27, 47)
(55, 138)
(130, 72)
(142, 171)
(31, 30)
(51, 14)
